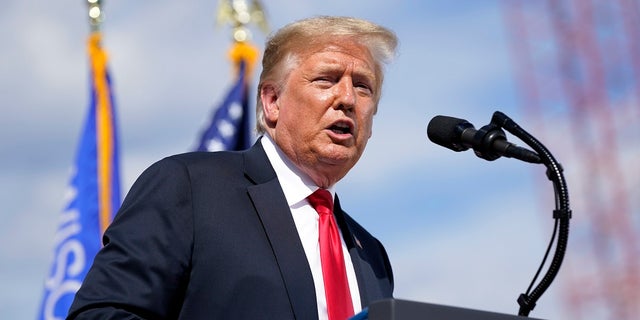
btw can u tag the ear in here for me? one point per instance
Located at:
(270, 106)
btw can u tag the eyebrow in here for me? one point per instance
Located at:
(358, 72)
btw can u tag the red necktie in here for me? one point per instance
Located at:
(336, 286)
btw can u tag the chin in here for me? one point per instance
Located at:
(342, 158)
(339, 154)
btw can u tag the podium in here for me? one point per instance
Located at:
(394, 309)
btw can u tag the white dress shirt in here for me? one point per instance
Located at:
(297, 186)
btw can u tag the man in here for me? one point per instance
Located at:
(234, 235)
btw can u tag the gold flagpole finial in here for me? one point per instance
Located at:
(96, 16)
(239, 14)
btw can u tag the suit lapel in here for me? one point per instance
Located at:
(271, 206)
(364, 273)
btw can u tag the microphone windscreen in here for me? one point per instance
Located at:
(445, 131)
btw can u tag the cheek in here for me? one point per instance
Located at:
(365, 132)
(295, 118)
(370, 133)
(323, 96)
(367, 124)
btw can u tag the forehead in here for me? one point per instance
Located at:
(339, 53)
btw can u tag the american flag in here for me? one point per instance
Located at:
(229, 126)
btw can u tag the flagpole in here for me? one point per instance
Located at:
(240, 14)
(96, 16)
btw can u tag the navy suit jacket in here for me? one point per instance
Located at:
(210, 236)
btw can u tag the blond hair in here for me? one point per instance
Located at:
(283, 49)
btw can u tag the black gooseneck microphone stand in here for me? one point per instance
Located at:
(561, 214)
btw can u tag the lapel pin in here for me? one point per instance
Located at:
(357, 242)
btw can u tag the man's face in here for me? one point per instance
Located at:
(322, 116)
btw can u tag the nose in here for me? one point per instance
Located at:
(345, 94)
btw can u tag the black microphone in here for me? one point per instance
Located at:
(489, 143)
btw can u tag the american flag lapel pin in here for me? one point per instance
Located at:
(357, 242)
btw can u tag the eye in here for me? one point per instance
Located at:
(324, 81)
(363, 87)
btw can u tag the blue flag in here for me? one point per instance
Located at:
(94, 194)
(229, 127)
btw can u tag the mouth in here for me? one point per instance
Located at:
(341, 127)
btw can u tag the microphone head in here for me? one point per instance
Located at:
(447, 132)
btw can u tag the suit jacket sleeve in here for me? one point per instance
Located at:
(143, 268)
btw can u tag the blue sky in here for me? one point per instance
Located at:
(459, 230)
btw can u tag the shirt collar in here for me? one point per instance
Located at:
(297, 185)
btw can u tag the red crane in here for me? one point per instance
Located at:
(577, 65)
